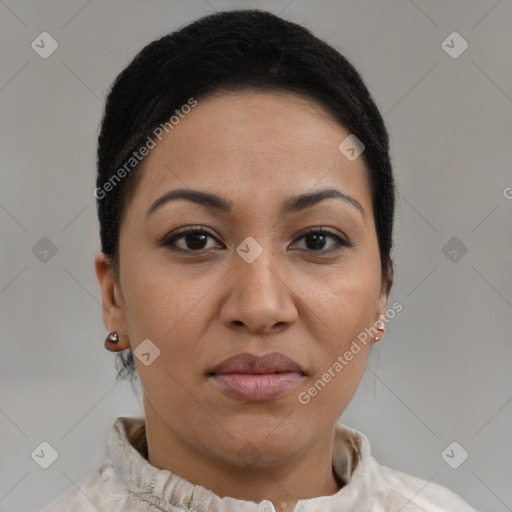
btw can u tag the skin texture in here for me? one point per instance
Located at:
(199, 307)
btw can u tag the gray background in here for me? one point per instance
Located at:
(442, 372)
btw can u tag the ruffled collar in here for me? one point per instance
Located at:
(352, 463)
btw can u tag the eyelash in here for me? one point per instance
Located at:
(169, 241)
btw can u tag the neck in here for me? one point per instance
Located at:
(309, 475)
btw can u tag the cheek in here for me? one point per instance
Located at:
(332, 389)
(341, 349)
(343, 310)
(162, 296)
(345, 299)
(168, 309)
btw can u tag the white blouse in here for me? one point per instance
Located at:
(127, 482)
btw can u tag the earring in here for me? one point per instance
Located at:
(112, 337)
(380, 337)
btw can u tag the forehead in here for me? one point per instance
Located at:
(252, 146)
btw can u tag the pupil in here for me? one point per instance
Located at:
(319, 241)
(197, 241)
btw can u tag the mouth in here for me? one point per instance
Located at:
(257, 387)
(253, 378)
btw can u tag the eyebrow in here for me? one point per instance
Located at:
(292, 205)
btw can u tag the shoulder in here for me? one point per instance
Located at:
(391, 489)
(88, 494)
(418, 494)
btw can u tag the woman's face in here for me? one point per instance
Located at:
(253, 281)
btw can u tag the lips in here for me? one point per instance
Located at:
(250, 364)
(253, 378)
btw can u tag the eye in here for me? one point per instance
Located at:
(195, 240)
(316, 241)
(191, 240)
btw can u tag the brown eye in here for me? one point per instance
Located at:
(192, 240)
(316, 240)
(196, 240)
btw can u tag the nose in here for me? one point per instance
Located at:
(260, 296)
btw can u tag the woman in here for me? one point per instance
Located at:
(246, 200)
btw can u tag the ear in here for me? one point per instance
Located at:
(380, 319)
(382, 307)
(112, 304)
